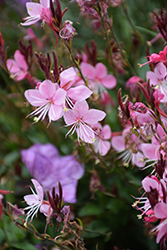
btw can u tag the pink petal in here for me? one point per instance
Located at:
(106, 132)
(46, 210)
(30, 21)
(101, 70)
(21, 76)
(12, 66)
(85, 133)
(79, 93)
(35, 98)
(55, 112)
(151, 76)
(67, 78)
(31, 199)
(20, 60)
(118, 143)
(34, 9)
(38, 188)
(104, 147)
(149, 151)
(93, 116)
(137, 160)
(160, 210)
(148, 182)
(109, 82)
(69, 117)
(160, 71)
(45, 3)
(161, 233)
(80, 108)
(47, 89)
(88, 70)
(59, 97)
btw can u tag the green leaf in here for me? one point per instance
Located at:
(23, 246)
(90, 209)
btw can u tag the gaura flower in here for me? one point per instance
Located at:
(36, 202)
(81, 118)
(37, 11)
(102, 134)
(49, 98)
(158, 79)
(17, 67)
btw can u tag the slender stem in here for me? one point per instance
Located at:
(106, 35)
(75, 63)
(127, 16)
(104, 165)
(121, 50)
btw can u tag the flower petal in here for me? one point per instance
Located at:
(79, 93)
(93, 116)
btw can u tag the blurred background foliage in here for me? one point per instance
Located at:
(109, 220)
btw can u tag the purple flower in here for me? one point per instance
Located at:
(48, 168)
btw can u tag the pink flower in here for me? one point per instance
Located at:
(34, 200)
(129, 146)
(98, 77)
(80, 117)
(37, 12)
(160, 211)
(67, 80)
(156, 58)
(17, 67)
(102, 134)
(49, 98)
(158, 78)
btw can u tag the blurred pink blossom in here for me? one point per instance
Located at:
(17, 67)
